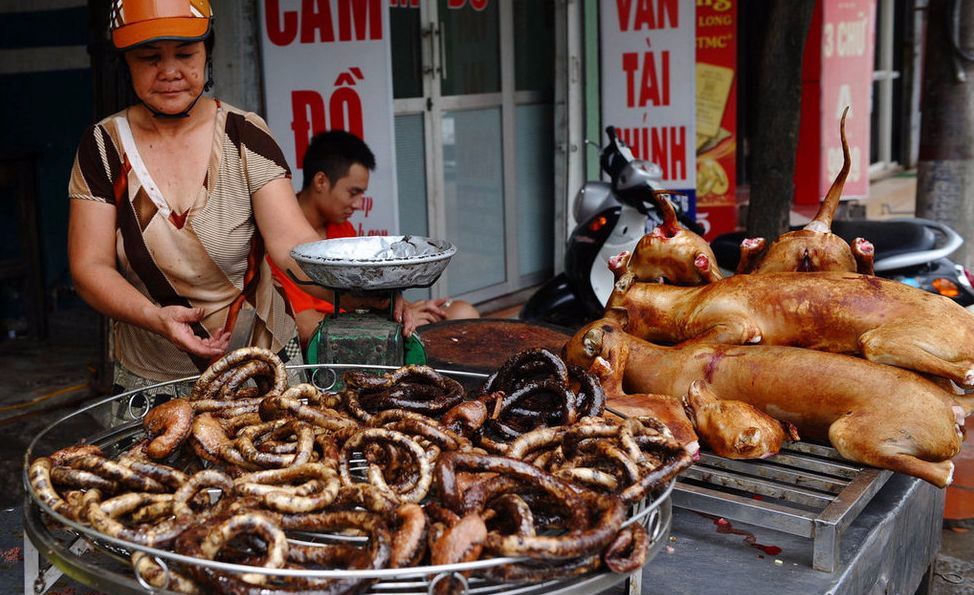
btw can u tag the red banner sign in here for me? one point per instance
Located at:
(327, 67)
(838, 73)
(716, 72)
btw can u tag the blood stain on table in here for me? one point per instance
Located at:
(726, 527)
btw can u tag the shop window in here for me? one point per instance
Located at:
(887, 136)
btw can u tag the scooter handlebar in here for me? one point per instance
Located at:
(615, 156)
(953, 241)
(634, 181)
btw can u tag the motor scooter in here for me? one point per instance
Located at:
(911, 250)
(611, 217)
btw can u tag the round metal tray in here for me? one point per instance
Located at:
(102, 562)
(375, 262)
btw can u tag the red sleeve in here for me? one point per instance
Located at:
(300, 301)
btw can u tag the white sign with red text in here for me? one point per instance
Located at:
(648, 83)
(327, 66)
(847, 65)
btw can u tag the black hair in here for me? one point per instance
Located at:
(333, 153)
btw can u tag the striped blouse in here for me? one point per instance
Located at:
(195, 259)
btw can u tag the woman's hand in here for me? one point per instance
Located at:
(91, 254)
(174, 324)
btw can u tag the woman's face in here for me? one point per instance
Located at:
(168, 75)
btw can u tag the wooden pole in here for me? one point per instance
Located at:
(945, 170)
(778, 114)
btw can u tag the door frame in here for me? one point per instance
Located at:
(434, 104)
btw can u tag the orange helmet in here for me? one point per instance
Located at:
(137, 22)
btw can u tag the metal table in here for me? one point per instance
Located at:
(889, 548)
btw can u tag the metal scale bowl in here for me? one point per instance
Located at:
(376, 266)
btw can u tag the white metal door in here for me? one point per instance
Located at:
(473, 98)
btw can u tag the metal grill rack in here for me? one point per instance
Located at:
(806, 490)
(101, 562)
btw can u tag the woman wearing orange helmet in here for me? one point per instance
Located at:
(174, 202)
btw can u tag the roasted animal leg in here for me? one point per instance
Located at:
(735, 429)
(869, 437)
(609, 370)
(895, 344)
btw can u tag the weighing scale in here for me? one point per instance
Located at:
(375, 266)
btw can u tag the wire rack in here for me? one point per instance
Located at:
(102, 562)
(806, 490)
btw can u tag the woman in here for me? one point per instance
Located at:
(175, 200)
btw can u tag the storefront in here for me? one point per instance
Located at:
(543, 472)
(490, 104)
(493, 102)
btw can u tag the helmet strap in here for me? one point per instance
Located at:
(209, 74)
(164, 116)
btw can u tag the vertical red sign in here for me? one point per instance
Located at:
(716, 72)
(847, 76)
(646, 51)
(837, 72)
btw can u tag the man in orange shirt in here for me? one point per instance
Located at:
(337, 165)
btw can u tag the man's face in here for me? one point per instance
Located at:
(344, 197)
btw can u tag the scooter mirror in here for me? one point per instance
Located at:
(637, 182)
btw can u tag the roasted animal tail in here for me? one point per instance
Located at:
(823, 219)
(671, 224)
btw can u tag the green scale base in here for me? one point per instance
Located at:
(354, 338)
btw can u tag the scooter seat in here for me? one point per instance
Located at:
(889, 238)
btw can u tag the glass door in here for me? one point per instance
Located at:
(472, 142)
(474, 136)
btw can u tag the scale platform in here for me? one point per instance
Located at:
(374, 263)
(377, 266)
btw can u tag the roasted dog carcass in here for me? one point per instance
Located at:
(874, 414)
(886, 321)
(814, 248)
(666, 408)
